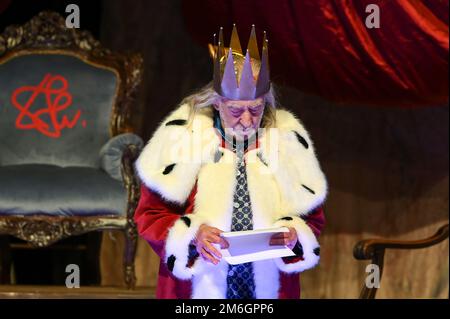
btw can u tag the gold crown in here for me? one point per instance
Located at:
(246, 80)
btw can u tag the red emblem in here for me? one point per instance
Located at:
(57, 98)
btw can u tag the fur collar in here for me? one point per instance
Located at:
(175, 155)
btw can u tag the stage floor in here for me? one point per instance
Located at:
(60, 292)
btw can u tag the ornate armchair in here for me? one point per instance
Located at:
(66, 146)
(374, 249)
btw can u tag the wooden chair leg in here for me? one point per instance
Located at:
(377, 259)
(130, 254)
(133, 190)
(5, 261)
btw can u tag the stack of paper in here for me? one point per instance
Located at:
(252, 245)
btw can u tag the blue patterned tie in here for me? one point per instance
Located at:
(240, 282)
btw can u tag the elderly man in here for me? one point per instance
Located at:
(228, 160)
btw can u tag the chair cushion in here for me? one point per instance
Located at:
(31, 189)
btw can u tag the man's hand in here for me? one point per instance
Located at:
(289, 239)
(206, 236)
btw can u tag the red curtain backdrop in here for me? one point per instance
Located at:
(324, 47)
(4, 4)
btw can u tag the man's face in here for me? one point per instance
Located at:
(241, 118)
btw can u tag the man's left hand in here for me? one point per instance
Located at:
(289, 238)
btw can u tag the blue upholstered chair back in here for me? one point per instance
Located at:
(55, 109)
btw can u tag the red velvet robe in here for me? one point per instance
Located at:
(154, 217)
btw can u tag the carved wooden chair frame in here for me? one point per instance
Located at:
(374, 249)
(46, 33)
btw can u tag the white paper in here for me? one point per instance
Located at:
(253, 245)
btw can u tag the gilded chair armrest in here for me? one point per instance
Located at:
(367, 249)
(113, 152)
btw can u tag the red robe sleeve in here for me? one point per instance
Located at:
(316, 221)
(154, 216)
(307, 250)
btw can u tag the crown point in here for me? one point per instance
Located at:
(247, 83)
(252, 46)
(235, 44)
